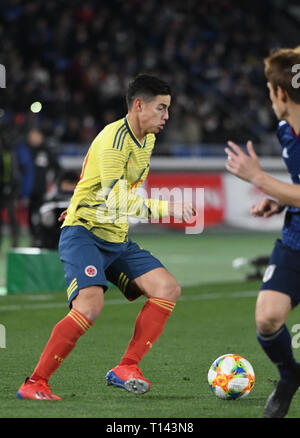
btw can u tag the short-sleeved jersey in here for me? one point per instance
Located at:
(115, 166)
(290, 144)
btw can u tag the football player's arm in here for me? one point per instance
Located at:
(247, 167)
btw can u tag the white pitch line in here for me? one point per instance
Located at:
(114, 301)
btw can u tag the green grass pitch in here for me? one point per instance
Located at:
(214, 316)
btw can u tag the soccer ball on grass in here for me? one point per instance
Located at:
(231, 377)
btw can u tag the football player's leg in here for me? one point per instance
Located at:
(158, 283)
(65, 334)
(162, 292)
(86, 307)
(86, 284)
(89, 302)
(140, 273)
(278, 295)
(272, 309)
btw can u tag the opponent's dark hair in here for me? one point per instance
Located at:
(146, 87)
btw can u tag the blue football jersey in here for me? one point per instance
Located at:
(290, 144)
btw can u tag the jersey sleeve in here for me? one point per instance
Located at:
(147, 208)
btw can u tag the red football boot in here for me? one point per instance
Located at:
(128, 377)
(36, 390)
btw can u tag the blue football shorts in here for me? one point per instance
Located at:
(89, 261)
(283, 272)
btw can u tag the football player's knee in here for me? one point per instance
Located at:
(177, 291)
(89, 302)
(171, 291)
(92, 313)
(267, 323)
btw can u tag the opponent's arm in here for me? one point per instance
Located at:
(247, 167)
(266, 208)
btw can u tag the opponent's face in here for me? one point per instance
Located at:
(278, 102)
(154, 114)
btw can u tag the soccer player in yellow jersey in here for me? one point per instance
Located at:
(94, 244)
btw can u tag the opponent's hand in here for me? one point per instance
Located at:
(62, 216)
(182, 210)
(265, 208)
(244, 166)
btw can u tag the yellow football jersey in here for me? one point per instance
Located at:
(115, 166)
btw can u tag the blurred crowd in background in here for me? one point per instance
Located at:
(77, 58)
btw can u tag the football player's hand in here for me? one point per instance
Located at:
(265, 208)
(182, 210)
(62, 216)
(244, 166)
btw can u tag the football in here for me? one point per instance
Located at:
(231, 377)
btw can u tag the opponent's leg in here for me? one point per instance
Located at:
(162, 292)
(272, 309)
(86, 307)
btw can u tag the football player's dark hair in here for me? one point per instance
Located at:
(146, 87)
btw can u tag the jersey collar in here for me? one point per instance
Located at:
(133, 136)
(293, 132)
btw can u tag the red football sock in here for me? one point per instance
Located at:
(149, 326)
(62, 341)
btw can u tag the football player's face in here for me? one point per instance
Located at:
(278, 103)
(155, 114)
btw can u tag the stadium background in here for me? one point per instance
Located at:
(76, 60)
